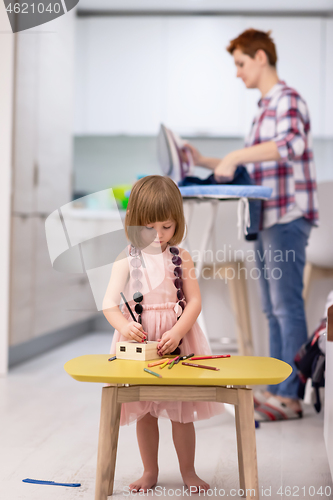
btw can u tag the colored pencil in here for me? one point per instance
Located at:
(188, 356)
(111, 359)
(164, 364)
(156, 363)
(152, 373)
(211, 357)
(128, 307)
(131, 313)
(201, 366)
(173, 362)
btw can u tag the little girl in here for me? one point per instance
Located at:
(159, 283)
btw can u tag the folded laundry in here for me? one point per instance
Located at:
(241, 177)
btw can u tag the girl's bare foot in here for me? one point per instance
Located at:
(194, 483)
(146, 482)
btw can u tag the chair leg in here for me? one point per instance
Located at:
(107, 443)
(246, 444)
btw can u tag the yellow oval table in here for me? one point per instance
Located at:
(129, 382)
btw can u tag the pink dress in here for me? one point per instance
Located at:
(159, 316)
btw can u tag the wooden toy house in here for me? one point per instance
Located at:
(137, 350)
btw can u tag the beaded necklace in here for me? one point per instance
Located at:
(136, 274)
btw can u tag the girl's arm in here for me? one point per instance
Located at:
(119, 277)
(171, 339)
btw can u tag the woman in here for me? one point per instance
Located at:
(277, 154)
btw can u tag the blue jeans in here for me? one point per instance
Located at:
(280, 256)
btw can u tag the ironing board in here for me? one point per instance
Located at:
(213, 194)
(128, 382)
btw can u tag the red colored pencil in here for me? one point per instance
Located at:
(201, 366)
(212, 357)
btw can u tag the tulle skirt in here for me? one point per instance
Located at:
(156, 320)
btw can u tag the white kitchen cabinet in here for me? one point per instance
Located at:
(23, 247)
(328, 100)
(43, 117)
(42, 300)
(200, 88)
(42, 175)
(300, 49)
(119, 80)
(135, 72)
(60, 299)
(25, 123)
(55, 114)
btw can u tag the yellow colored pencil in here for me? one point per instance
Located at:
(164, 364)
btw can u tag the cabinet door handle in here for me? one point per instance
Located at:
(36, 174)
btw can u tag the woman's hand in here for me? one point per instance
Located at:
(133, 331)
(168, 343)
(196, 155)
(225, 169)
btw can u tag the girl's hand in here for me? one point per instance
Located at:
(133, 331)
(168, 343)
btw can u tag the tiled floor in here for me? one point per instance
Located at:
(49, 430)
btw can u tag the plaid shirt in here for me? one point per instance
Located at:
(283, 117)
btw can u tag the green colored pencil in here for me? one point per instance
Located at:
(152, 373)
(173, 362)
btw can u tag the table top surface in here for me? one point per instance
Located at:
(225, 192)
(236, 370)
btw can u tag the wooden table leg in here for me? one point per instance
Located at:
(240, 451)
(246, 444)
(107, 443)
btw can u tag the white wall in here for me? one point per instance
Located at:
(6, 100)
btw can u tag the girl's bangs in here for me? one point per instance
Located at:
(157, 211)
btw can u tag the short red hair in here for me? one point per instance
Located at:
(252, 40)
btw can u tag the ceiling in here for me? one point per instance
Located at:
(297, 6)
